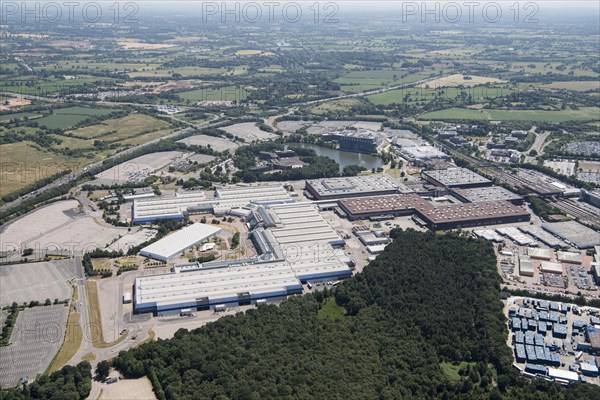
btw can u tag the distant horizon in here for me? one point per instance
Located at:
(585, 8)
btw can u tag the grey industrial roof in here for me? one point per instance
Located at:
(355, 185)
(578, 234)
(456, 177)
(489, 193)
(176, 288)
(226, 198)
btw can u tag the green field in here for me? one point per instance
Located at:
(65, 118)
(72, 143)
(413, 95)
(582, 114)
(335, 106)
(19, 116)
(26, 164)
(146, 137)
(121, 128)
(331, 310)
(44, 87)
(78, 66)
(581, 86)
(183, 71)
(451, 370)
(358, 81)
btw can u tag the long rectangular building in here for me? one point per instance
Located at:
(167, 207)
(225, 199)
(239, 196)
(437, 217)
(179, 241)
(353, 186)
(203, 288)
(489, 193)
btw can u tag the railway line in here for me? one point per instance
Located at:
(584, 212)
(579, 210)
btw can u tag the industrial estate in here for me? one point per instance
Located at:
(167, 186)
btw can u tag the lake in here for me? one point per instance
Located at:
(344, 158)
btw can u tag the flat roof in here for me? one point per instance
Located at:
(551, 267)
(568, 256)
(525, 264)
(303, 235)
(180, 240)
(563, 374)
(542, 235)
(246, 192)
(489, 193)
(536, 252)
(576, 233)
(225, 199)
(456, 177)
(384, 204)
(355, 185)
(214, 283)
(437, 214)
(516, 235)
(475, 211)
(301, 245)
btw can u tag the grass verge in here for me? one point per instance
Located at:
(96, 319)
(331, 310)
(72, 340)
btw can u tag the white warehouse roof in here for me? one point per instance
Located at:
(215, 283)
(168, 247)
(563, 374)
(569, 257)
(551, 267)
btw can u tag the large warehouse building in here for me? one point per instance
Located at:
(455, 178)
(178, 242)
(489, 193)
(353, 186)
(205, 286)
(574, 233)
(167, 207)
(224, 200)
(298, 246)
(239, 196)
(452, 216)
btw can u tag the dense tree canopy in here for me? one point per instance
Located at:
(428, 302)
(69, 383)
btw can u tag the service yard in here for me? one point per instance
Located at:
(130, 389)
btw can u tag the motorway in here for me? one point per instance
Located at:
(370, 92)
(74, 175)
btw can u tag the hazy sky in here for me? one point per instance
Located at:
(592, 6)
